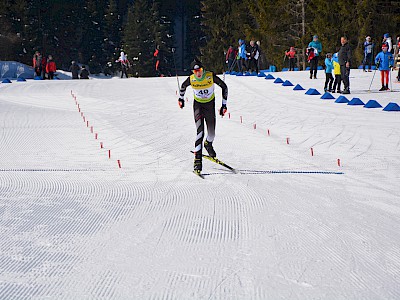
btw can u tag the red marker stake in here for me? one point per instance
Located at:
(287, 141)
(91, 129)
(101, 145)
(109, 153)
(268, 133)
(255, 126)
(95, 136)
(87, 123)
(312, 152)
(229, 115)
(338, 162)
(119, 163)
(241, 119)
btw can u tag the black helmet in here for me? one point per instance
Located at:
(196, 64)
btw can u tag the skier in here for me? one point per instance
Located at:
(125, 64)
(202, 83)
(368, 52)
(384, 61)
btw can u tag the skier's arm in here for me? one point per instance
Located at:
(183, 88)
(185, 84)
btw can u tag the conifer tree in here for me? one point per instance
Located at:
(138, 39)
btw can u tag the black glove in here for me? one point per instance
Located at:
(181, 103)
(377, 64)
(222, 110)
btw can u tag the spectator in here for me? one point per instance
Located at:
(291, 54)
(384, 61)
(84, 73)
(230, 57)
(368, 53)
(74, 69)
(336, 72)
(388, 41)
(125, 64)
(241, 55)
(316, 47)
(344, 62)
(328, 73)
(252, 56)
(50, 67)
(37, 63)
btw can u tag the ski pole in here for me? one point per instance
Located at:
(176, 72)
(373, 76)
(390, 78)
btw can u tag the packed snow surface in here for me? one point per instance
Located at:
(131, 221)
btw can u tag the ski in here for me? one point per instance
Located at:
(219, 162)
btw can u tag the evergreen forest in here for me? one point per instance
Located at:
(93, 32)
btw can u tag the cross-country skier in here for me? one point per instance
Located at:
(202, 83)
(384, 61)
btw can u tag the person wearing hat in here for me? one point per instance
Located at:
(388, 41)
(316, 47)
(384, 61)
(344, 57)
(203, 83)
(368, 52)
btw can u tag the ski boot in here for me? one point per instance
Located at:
(387, 87)
(383, 88)
(197, 165)
(210, 149)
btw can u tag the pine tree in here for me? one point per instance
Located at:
(138, 39)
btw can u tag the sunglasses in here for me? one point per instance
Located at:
(198, 70)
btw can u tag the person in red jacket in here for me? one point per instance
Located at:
(292, 56)
(50, 67)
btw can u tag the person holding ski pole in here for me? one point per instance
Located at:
(203, 83)
(384, 61)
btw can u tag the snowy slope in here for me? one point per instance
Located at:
(291, 226)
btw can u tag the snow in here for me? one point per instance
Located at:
(291, 226)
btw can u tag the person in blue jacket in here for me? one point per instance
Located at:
(384, 61)
(328, 72)
(241, 57)
(316, 45)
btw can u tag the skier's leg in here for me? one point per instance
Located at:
(199, 121)
(209, 115)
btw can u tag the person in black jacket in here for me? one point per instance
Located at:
(344, 62)
(84, 73)
(74, 69)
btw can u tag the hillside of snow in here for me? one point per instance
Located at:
(98, 199)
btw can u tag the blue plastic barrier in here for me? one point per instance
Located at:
(13, 70)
